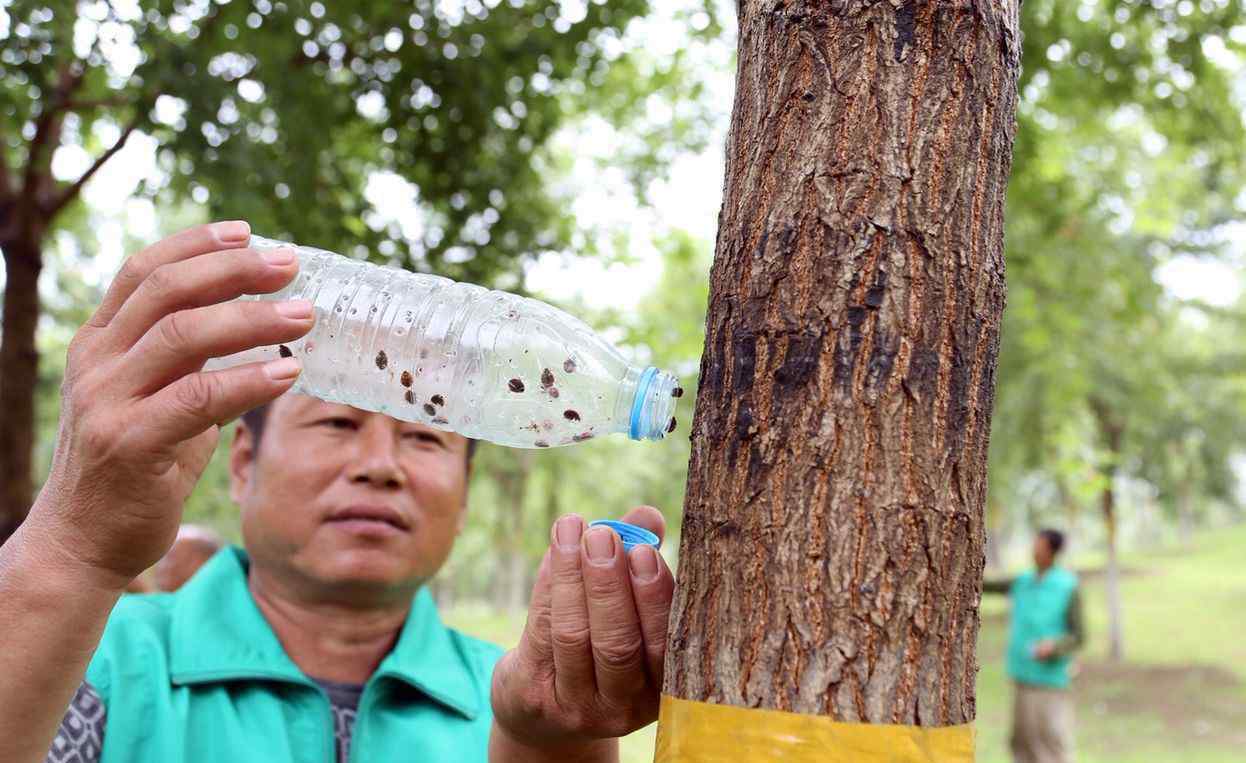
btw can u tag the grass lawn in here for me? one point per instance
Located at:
(1179, 696)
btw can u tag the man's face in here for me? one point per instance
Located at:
(1043, 556)
(347, 500)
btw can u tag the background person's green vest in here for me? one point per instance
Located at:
(1040, 606)
(200, 676)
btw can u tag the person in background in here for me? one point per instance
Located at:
(141, 584)
(1046, 629)
(193, 546)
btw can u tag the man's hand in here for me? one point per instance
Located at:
(1045, 649)
(588, 668)
(138, 415)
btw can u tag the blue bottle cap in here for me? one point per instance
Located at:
(631, 535)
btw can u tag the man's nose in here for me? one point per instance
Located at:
(376, 457)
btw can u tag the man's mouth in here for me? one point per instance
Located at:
(369, 518)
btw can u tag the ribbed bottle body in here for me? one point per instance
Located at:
(487, 364)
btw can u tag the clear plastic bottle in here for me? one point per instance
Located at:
(455, 356)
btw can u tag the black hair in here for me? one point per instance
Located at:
(256, 418)
(1054, 538)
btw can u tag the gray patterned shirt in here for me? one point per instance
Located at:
(80, 738)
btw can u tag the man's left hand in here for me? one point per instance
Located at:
(1045, 649)
(588, 668)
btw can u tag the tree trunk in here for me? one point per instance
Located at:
(512, 594)
(832, 544)
(19, 371)
(517, 582)
(1112, 432)
(996, 537)
(553, 490)
(1116, 639)
(994, 559)
(1185, 511)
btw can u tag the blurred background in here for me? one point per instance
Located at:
(573, 150)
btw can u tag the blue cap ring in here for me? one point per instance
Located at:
(638, 402)
(631, 535)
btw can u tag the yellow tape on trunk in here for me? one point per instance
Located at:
(702, 732)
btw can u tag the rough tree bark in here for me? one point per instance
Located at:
(832, 545)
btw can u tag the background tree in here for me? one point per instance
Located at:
(1123, 163)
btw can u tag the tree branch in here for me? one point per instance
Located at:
(73, 190)
(97, 103)
(52, 107)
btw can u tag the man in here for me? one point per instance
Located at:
(321, 628)
(193, 546)
(1046, 629)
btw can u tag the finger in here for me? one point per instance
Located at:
(653, 587)
(191, 242)
(574, 682)
(183, 341)
(196, 402)
(649, 518)
(618, 647)
(535, 644)
(199, 282)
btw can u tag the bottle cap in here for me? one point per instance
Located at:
(653, 405)
(631, 535)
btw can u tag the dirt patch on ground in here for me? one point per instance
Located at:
(1196, 703)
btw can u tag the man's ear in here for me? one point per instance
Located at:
(242, 454)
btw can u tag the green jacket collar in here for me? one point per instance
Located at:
(219, 634)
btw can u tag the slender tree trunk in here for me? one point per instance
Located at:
(553, 493)
(994, 561)
(1116, 639)
(1185, 511)
(19, 371)
(995, 535)
(832, 544)
(1112, 432)
(512, 594)
(517, 582)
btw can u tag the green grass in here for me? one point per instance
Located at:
(1180, 696)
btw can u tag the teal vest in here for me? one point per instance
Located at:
(200, 676)
(1040, 607)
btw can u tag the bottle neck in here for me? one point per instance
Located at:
(645, 404)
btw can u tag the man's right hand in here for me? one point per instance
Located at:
(139, 416)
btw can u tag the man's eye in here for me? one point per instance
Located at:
(338, 422)
(423, 437)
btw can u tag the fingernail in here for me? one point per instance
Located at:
(279, 257)
(600, 544)
(283, 369)
(568, 530)
(643, 561)
(232, 231)
(295, 309)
